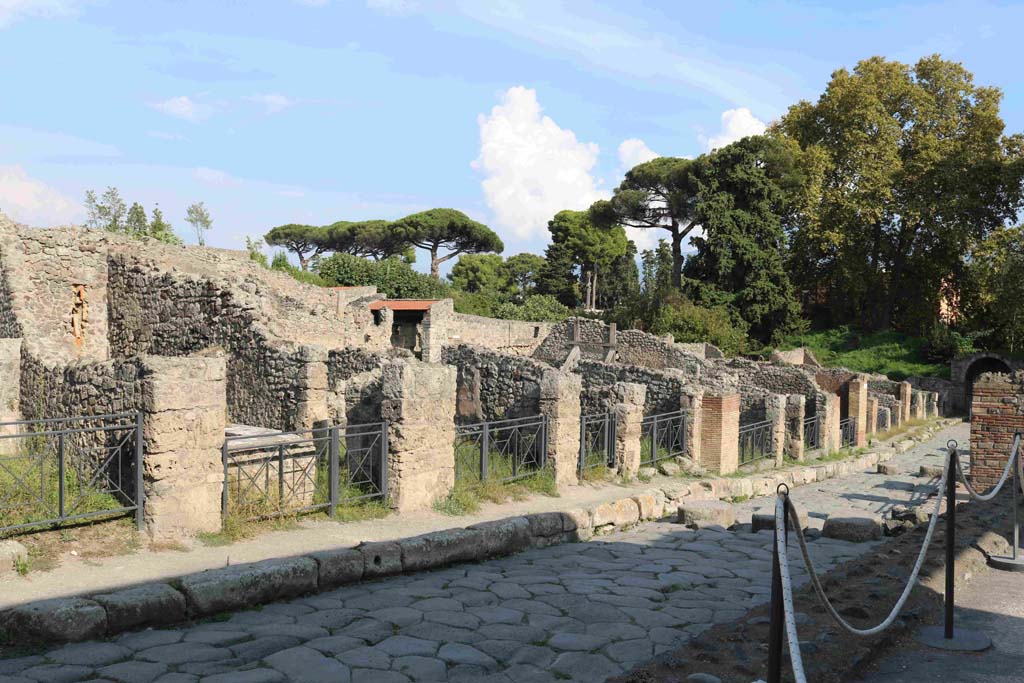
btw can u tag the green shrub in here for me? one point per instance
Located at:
(688, 322)
(392, 277)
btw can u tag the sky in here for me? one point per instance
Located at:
(313, 111)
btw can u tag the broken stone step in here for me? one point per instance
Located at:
(702, 513)
(853, 527)
(889, 468)
(931, 471)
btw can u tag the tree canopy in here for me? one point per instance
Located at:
(449, 229)
(305, 241)
(591, 245)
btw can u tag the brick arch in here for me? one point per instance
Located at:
(964, 370)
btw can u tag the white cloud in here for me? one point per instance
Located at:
(215, 177)
(533, 168)
(12, 11)
(634, 151)
(183, 107)
(736, 124)
(31, 201)
(273, 103)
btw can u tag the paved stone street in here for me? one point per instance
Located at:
(581, 611)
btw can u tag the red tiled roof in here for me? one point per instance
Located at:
(403, 304)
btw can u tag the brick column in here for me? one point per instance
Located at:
(872, 415)
(720, 433)
(857, 398)
(997, 412)
(904, 402)
(831, 434)
(628, 413)
(796, 411)
(10, 392)
(419, 405)
(184, 404)
(775, 412)
(560, 402)
(692, 401)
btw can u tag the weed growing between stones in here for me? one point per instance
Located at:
(468, 495)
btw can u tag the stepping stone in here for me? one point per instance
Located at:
(763, 520)
(889, 468)
(853, 527)
(931, 471)
(701, 513)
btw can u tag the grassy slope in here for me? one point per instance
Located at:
(890, 353)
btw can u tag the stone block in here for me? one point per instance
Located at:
(669, 468)
(646, 473)
(853, 527)
(578, 524)
(338, 567)
(623, 512)
(245, 585)
(503, 536)
(931, 471)
(544, 524)
(764, 519)
(147, 605)
(60, 619)
(440, 548)
(651, 504)
(701, 513)
(889, 468)
(380, 559)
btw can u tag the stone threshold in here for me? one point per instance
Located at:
(244, 586)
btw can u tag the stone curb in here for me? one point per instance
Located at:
(245, 586)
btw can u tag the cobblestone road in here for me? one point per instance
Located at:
(581, 611)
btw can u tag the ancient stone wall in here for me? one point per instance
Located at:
(342, 364)
(632, 347)
(517, 337)
(664, 387)
(772, 378)
(494, 385)
(9, 327)
(997, 413)
(950, 394)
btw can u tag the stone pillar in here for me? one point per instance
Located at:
(857, 402)
(560, 402)
(796, 411)
(720, 433)
(435, 330)
(872, 415)
(933, 404)
(312, 407)
(997, 412)
(628, 413)
(419, 405)
(884, 419)
(184, 405)
(775, 412)
(692, 401)
(831, 434)
(10, 392)
(904, 402)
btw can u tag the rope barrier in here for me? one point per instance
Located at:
(984, 497)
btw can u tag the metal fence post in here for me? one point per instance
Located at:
(280, 477)
(224, 455)
(777, 627)
(950, 543)
(60, 475)
(332, 469)
(583, 444)
(384, 460)
(140, 492)
(654, 440)
(485, 446)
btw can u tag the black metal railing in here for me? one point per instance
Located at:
(502, 450)
(70, 469)
(755, 441)
(848, 431)
(274, 474)
(597, 441)
(812, 432)
(663, 436)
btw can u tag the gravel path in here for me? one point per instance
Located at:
(582, 611)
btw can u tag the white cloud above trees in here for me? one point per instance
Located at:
(736, 125)
(31, 201)
(634, 151)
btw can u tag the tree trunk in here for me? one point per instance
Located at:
(587, 288)
(593, 300)
(302, 260)
(677, 255)
(435, 271)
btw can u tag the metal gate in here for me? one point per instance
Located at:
(812, 432)
(70, 469)
(848, 430)
(274, 474)
(597, 441)
(502, 450)
(663, 436)
(755, 441)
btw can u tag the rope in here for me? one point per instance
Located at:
(1002, 480)
(816, 582)
(787, 592)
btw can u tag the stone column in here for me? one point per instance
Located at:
(628, 413)
(904, 402)
(419, 405)
(831, 434)
(997, 413)
(312, 407)
(560, 402)
(435, 330)
(720, 433)
(933, 404)
(872, 415)
(775, 412)
(857, 402)
(796, 411)
(692, 401)
(184, 405)
(10, 391)
(884, 419)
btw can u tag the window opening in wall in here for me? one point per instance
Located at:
(536, 332)
(79, 314)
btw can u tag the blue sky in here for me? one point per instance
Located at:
(321, 110)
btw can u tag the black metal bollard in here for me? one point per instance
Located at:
(777, 627)
(950, 541)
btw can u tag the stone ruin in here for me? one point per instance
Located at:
(204, 342)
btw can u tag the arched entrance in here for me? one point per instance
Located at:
(979, 367)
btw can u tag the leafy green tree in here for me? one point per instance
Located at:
(748, 194)
(160, 229)
(914, 169)
(557, 277)
(621, 281)
(136, 223)
(454, 231)
(539, 307)
(255, 249)
(994, 292)
(199, 218)
(593, 246)
(392, 277)
(305, 241)
(108, 212)
(520, 274)
(658, 194)
(375, 239)
(478, 273)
